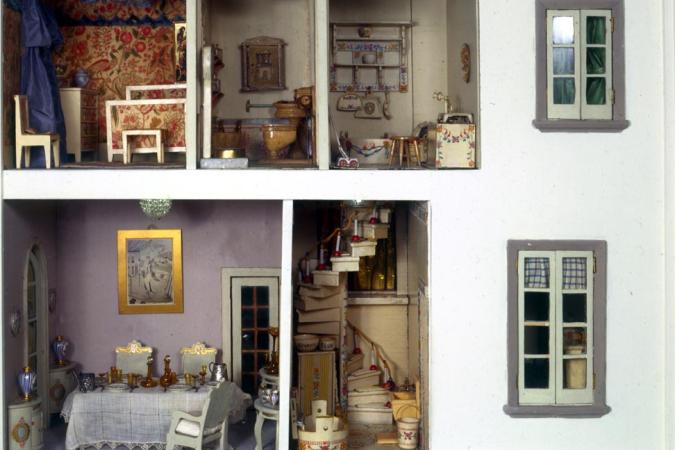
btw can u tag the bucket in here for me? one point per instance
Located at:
(408, 428)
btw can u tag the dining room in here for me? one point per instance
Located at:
(120, 313)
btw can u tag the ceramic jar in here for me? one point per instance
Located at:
(81, 78)
(60, 347)
(27, 382)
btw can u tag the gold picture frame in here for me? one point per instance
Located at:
(149, 271)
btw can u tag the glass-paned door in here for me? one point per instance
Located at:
(31, 315)
(255, 308)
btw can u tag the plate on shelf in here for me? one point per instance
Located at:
(117, 387)
(178, 387)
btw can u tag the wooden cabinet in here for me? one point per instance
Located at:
(25, 424)
(316, 380)
(61, 383)
(80, 111)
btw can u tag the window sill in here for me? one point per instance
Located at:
(567, 411)
(580, 126)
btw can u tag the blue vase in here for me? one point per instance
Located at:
(60, 346)
(27, 382)
(81, 78)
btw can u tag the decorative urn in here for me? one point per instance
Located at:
(27, 382)
(60, 347)
(81, 78)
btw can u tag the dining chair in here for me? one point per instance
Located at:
(210, 427)
(196, 356)
(27, 137)
(132, 358)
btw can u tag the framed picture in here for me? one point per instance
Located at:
(262, 64)
(149, 271)
(180, 49)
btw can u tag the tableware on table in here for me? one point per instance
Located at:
(202, 374)
(165, 380)
(87, 382)
(269, 397)
(218, 371)
(189, 379)
(148, 382)
(117, 387)
(178, 387)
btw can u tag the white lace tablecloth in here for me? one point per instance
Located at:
(133, 419)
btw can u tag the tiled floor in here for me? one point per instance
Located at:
(240, 435)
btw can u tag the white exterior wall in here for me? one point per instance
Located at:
(531, 185)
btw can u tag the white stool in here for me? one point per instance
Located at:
(263, 413)
(130, 148)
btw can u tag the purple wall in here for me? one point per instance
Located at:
(216, 234)
(24, 225)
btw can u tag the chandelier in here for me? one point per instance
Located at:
(155, 208)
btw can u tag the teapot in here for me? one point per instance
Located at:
(218, 371)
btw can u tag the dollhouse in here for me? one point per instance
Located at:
(362, 297)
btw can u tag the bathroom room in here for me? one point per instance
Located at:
(398, 70)
(263, 109)
(360, 326)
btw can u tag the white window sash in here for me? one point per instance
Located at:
(557, 111)
(574, 396)
(530, 396)
(597, 111)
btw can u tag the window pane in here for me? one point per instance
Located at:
(247, 296)
(247, 340)
(574, 341)
(574, 308)
(536, 373)
(536, 306)
(247, 362)
(595, 91)
(574, 374)
(263, 319)
(537, 272)
(563, 30)
(595, 60)
(31, 273)
(32, 362)
(563, 61)
(595, 30)
(536, 340)
(263, 340)
(32, 337)
(262, 296)
(261, 359)
(563, 91)
(31, 295)
(247, 320)
(574, 273)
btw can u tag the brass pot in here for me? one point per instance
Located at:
(278, 137)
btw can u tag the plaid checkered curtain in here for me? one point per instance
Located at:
(574, 273)
(537, 272)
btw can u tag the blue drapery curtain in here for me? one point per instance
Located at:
(40, 35)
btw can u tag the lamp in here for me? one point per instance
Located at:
(155, 208)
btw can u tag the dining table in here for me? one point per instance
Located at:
(136, 418)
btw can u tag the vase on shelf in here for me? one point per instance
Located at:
(81, 78)
(60, 347)
(27, 382)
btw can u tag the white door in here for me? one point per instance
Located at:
(250, 307)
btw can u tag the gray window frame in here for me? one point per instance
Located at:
(599, 407)
(618, 121)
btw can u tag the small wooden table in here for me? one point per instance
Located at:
(405, 145)
(263, 413)
(130, 148)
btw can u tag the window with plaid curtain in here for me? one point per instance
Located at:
(537, 272)
(574, 273)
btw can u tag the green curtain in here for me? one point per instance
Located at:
(595, 91)
(595, 60)
(563, 91)
(595, 30)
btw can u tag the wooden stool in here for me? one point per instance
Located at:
(129, 149)
(405, 145)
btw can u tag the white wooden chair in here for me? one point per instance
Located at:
(133, 358)
(210, 427)
(196, 356)
(27, 137)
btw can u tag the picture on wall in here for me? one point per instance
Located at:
(180, 47)
(262, 64)
(149, 271)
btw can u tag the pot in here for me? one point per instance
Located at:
(218, 371)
